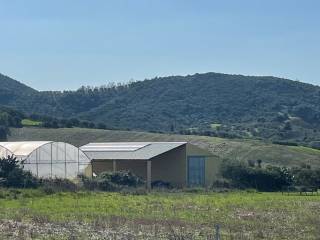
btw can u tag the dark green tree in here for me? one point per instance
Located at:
(3, 132)
(13, 175)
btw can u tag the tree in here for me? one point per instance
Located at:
(3, 132)
(75, 122)
(102, 126)
(172, 128)
(13, 175)
(251, 163)
(259, 162)
(4, 118)
(270, 178)
(287, 126)
(305, 176)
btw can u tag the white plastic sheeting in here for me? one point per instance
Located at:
(47, 159)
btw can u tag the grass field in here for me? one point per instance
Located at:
(157, 215)
(30, 123)
(215, 125)
(225, 148)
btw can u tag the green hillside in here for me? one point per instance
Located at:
(11, 85)
(14, 93)
(226, 149)
(9, 118)
(212, 104)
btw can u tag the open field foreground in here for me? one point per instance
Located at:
(26, 214)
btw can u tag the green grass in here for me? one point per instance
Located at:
(30, 123)
(241, 214)
(215, 125)
(305, 149)
(225, 148)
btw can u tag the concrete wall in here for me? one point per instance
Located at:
(99, 166)
(171, 167)
(88, 171)
(212, 169)
(138, 167)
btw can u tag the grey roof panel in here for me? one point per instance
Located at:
(113, 147)
(128, 150)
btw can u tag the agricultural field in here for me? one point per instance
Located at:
(26, 214)
(30, 123)
(234, 149)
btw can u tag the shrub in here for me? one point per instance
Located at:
(285, 143)
(19, 178)
(13, 175)
(104, 183)
(111, 181)
(54, 185)
(222, 183)
(4, 130)
(88, 183)
(161, 184)
(306, 177)
(195, 190)
(270, 178)
(122, 178)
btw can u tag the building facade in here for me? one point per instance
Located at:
(179, 163)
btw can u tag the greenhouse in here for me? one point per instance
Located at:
(47, 159)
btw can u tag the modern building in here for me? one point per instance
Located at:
(47, 159)
(179, 163)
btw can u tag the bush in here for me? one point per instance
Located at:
(13, 175)
(271, 178)
(161, 184)
(4, 130)
(88, 183)
(195, 190)
(51, 186)
(222, 183)
(306, 177)
(122, 178)
(285, 143)
(104, 183)
(111, 181)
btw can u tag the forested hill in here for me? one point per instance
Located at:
(12, 91)
(212, 104)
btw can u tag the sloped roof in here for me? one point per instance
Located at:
(128, 150)
(22, 149)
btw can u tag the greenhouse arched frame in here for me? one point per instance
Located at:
(47, 159)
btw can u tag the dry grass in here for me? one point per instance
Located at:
(225, 148)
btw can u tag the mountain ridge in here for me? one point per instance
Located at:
(227, 105)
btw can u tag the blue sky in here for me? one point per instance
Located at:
(55, 45)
